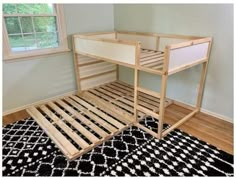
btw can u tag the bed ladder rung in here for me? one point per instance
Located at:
(149, 92)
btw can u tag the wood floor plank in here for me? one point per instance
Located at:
(204, 127)
(12, 118)
(203, 122)
(187, 127)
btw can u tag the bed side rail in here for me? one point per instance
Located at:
(116, 51)
(154, 41)
(187, 54)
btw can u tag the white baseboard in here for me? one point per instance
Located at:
(191, 106)
(225, 118)
(37, 103)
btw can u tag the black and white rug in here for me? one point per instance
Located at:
(27, 151)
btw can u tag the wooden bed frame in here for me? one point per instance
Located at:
(105, 106)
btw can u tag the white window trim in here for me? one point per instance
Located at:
(63, 45)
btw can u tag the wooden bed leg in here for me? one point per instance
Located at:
(76, 64)
(201, 86)
(203, 78)
(163, 92)
(136, 80)
(162, 105)
(117, 72)
(136, 83)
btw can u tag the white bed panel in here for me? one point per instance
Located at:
(187, 55)
(106, 36)
(99, 80)
(169, 41)
(147, 42)
(115, 51)
(96, 68)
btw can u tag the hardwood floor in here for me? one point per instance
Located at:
(11, 118)
(207, 128)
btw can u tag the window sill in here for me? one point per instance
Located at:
(34, 54)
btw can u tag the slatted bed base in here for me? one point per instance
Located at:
(78, 123)
(151, 60)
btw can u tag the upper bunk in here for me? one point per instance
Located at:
(151, 52)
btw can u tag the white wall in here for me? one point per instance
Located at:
(26, 82)
(203, 20)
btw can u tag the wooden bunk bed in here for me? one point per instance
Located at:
(105, 106)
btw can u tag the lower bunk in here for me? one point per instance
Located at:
(78, 123)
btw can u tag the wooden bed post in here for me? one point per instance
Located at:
(76, 64)
(201, 85)
(163, 92)
(136, 81)
(157, 43)
(117, 72)
(203, 79)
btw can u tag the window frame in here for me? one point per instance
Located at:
(8, 54)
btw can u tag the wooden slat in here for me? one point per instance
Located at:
(90, 63)
(99, 94)
(97, 74)
(118, 85)
(120, 97)
(144, 54)
(142, 103)
(143, 98)
(114, 100)
(159, 60)
(83, 119)
(159, 67)
(148, 112)
(74, 123)
(146, 91)
(107, 95)
(153, 64)
(92, 115)
(118, 89)
(153, 71)
(63, 144)
(100, 113)
(114, 90)
(158, 56)
(81, 142)
(141, 95)
(110, 109)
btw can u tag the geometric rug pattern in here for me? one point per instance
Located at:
(28, 151)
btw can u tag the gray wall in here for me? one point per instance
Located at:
(29, 81)
(203, 20)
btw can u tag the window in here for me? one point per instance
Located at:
(33, 29)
